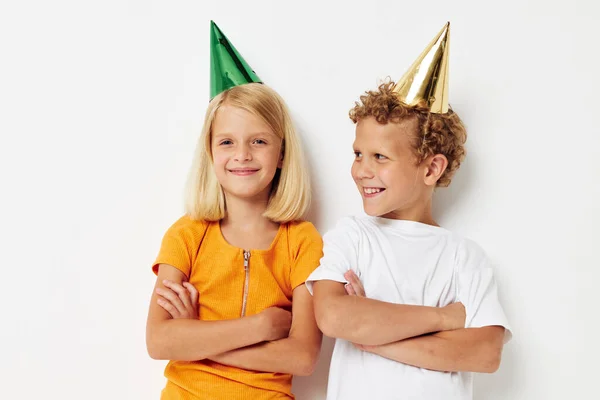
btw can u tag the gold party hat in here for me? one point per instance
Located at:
(427, 78)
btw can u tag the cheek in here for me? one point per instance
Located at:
(219, 157)
(271, 158)
(354, 170)
(389, 176)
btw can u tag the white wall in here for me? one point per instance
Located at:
(101, 104)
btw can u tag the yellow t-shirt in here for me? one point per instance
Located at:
(216, 269)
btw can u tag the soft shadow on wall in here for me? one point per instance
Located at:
(314, 387)
(449, 202)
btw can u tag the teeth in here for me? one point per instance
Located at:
(372, 190)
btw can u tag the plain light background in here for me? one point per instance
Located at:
(101, 104)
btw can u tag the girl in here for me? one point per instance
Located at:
(230, 271)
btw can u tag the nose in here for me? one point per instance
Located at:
(362, 169)
(242, 153)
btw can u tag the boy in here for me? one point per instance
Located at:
(413, 307)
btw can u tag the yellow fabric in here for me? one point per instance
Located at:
(216, 269)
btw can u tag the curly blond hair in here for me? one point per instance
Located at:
(437, 133)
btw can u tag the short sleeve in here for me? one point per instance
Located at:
(307, 251)
(477, 289)
(339, 253)
(180, 245)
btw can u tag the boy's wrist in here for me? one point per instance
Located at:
(452, 317)
(445, 319)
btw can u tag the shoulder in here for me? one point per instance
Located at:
(300, 232)
(470, 254)
(189, 228)
(302, 229)
(352, 225)
(353, 228)
(302, 237)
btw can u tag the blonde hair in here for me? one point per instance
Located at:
(290, 195)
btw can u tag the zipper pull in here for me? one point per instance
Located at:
(246, 259)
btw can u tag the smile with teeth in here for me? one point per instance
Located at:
(372, 190)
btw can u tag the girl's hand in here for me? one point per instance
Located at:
(181, 301)
(354, 287)
(277, 323)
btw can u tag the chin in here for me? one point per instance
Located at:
(372, 212)
(249, 192)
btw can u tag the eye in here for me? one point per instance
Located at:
(357, 154)
(225, 142)
(259, 141)
(380, 156)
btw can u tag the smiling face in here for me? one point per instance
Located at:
(386, 171)
(246, 153)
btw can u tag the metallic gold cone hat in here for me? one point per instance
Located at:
(427, 78)
(227, 67)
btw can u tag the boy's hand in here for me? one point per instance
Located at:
(354, 287)
(277, 323)
(181, 301)
(454, 316)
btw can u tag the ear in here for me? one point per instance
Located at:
(280, 163)
(434, 168)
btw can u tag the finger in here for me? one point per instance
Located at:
(172, 297)
(356, 284)
(350, 289)
(352, 278)
(193, 293)
(168, 307)
(346, 288)
(182, 292)
(360, 290)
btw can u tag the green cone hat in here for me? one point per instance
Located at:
(227, 67)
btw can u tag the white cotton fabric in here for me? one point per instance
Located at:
(406, 262)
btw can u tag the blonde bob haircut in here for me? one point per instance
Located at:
(290, 194)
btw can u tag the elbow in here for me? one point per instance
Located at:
(305, 365)
(304, 370)
(303, 355)
(329, 323)
(329, 318)
(157, 350)
(156, 354)
(491, 361)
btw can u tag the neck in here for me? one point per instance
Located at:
(418, 212)
(246, 213)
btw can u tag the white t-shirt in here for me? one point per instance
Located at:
(406, 262)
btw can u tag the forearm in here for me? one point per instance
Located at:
(372, 322)
(450, 351)
(289, 355)
(190, 340)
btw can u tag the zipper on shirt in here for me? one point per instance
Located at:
(247, 280)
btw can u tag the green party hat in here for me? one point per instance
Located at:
(227, 67)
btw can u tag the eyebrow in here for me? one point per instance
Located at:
(251, 134)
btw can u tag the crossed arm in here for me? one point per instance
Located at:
(273, 340)
(415, 335)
